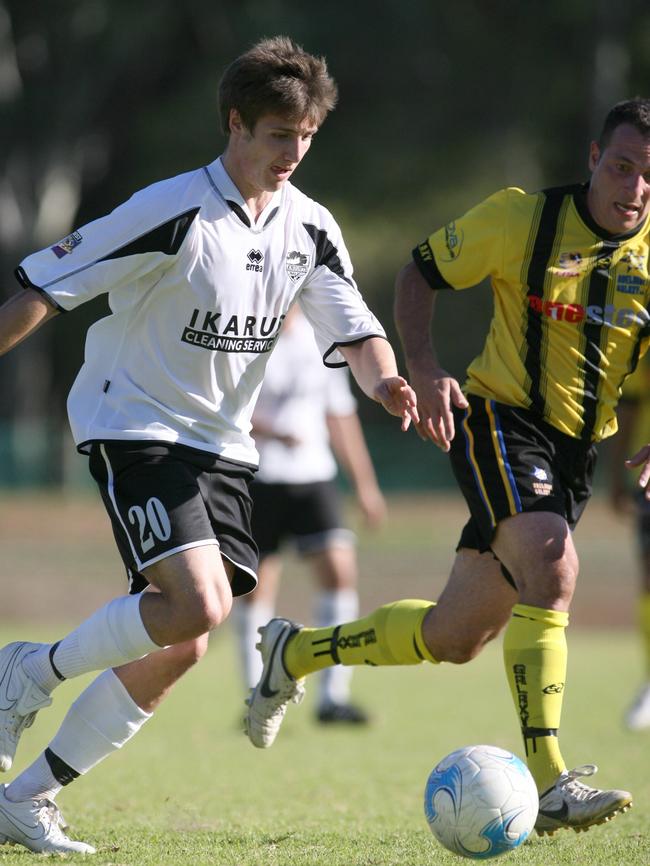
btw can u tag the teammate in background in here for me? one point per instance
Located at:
(569, 273)
(303, 408)
(200, 270)
(633, 426)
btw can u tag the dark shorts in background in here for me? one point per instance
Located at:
(309, 515)
(507, 460)
(163, 499)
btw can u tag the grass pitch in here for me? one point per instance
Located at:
(190, 789)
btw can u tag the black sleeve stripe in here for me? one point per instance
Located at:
(326, 252)
(166, 238)
(335, 346)
(426, 264)
(26, 283)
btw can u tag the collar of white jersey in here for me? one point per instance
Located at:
(225, 188)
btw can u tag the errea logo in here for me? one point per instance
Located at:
(255, 259)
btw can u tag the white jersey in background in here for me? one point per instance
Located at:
(198, 293)
(297, 395)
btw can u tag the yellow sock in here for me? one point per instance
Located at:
(391, 635)
(535, 656)
(644, 624)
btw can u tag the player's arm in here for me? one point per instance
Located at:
(627, 414)
(21, 315)
(374, 367)
(262, 429)
(349, 445)
(642, 459)
(436, 390)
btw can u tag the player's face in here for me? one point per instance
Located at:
(619, 191)
(268, 155)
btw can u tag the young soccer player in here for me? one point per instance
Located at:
(569, 273)
(200, 272)
(304, 413)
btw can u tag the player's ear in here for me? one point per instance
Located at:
(235, 123)
(594, 155)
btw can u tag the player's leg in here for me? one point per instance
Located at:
(194, 596)
(317, 524)
(538, 551)
(473, 608)
(637, 717)
(156, 497)
(335, 601)
(107, 714)
(252, 612)
(527, 484)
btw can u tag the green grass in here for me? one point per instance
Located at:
(191, 790)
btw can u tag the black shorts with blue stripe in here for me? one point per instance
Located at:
(507, 460)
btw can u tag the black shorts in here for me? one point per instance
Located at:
(507, 460)
(163, 498)
(307, 514)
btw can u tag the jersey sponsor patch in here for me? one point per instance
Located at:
(630, 284)
(297, 264)
(66, 246)
(234, 334)
(453, 241)
(575, 314)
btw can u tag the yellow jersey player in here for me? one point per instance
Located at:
(569, 274)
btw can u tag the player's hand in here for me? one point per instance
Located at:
(437, 392)
(372, 505)
(398, 398)
(642, 459)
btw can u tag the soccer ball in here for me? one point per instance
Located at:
(481, 802)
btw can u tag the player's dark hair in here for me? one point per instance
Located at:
(635, 111)
(276, 76)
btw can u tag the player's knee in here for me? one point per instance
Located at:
(460, 649)
(214, 609)
(550, 587)
(201, 611)
(188, 653)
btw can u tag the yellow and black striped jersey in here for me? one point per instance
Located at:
(571, 303)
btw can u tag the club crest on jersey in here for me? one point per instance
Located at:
(65, 247)
(297, 265)
(541, 484)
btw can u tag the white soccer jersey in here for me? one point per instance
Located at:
(198, 294)
(297, 395)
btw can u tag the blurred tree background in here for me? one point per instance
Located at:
(440, 104)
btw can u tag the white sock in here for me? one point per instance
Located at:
(112, 636)
(102, 719)
(247, 618)
(34, 783)
(332, 607)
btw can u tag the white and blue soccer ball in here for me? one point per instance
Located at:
(481, 802)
